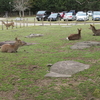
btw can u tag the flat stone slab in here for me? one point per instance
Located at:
(85, 44)
(34, 35)
(66, 69)
(12, 42)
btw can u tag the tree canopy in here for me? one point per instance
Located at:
(54, 5)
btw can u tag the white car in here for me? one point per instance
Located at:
(89, 13)
(79, 12)
(82, 17)
(69, 16)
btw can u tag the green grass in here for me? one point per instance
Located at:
(20, 80)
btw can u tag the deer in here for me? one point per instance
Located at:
(12, 48)
(75, 36)
(8, 24)
(94, 30)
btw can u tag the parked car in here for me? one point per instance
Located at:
(82, 17)
(96, 15)
(73, 11)
(69, 16)
(54, 17)
(42, 15)
(89, 13)
(79, 12)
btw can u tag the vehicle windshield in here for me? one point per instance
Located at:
(69, 14)
(54, 14)
(97, 13)
(82, 14)
(40, 12)
(89, 11)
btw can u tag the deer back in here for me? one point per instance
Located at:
(75, 36)
(3, 22)
(11, 47)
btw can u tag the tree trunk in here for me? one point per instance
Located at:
(23, 13)
(29, 12)
(20, 14)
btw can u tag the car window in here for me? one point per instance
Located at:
(69, 14)
(54, 14)
(96, 13)
(81, 14)
(40, 12)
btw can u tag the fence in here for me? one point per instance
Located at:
(25, 23)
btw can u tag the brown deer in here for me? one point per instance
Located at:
(94, 30)
(8, 24)
(75, 36)
(11, 48)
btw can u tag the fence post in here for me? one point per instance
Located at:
(84, 21)
(12, 22)
(23, 22)
(27, 22)
(67, 21)
(50, 21)
(16, 23)
(2, 26)
(20, 23)
(42, 22)
(59, 21)
(76, 22)
(7, 26)
(93, 22)
(34, 21)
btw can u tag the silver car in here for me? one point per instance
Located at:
(96, 16)
(69, 16)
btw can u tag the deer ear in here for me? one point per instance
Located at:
(16, 39)
(91, 25)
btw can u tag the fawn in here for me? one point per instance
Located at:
(8, 24)
(75, 36)
(94, 30)
(11, 48)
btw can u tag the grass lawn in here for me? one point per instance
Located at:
(22, 73)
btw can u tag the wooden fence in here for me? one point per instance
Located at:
(25, 23)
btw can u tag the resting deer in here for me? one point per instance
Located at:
(8, 24)
(10, 48)
(94, 30)
(75, 36)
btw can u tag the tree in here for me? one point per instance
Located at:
(5, 6)
(21, 6)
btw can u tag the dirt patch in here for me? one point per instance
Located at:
(86, 44)
(30, 67)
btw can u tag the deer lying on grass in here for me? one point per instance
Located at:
(8, 24)
(11, 48)
(94, 30)
(75, 36)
